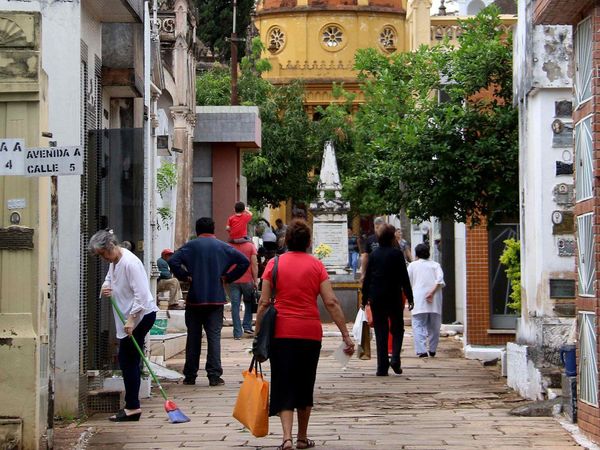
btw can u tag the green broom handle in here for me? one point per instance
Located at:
(137, 346)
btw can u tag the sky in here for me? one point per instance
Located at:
(450, 6)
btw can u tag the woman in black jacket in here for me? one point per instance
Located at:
(382, 288)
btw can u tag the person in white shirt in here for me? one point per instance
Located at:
(427, 281)
(127, 282)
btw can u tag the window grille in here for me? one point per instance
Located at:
(586, 254)
(588, 363)
(583, 61)
(584, 179)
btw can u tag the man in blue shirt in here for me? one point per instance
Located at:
(205, 262)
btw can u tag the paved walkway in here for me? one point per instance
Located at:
(445, 402)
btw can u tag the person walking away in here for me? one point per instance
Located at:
(352, 251)
(127, 282)
(427, 280)
(243, 288)
(296, 344)
(404, 246)
(385, 281)
(369, 244)
(166, 280)
(206, 263)
(237, 224)
(280, 229)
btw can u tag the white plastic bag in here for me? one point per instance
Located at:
(357, 328)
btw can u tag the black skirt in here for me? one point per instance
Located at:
(293, 372)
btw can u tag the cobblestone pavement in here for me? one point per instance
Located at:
(445, 402)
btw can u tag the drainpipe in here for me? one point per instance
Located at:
(52, 304)
(149, 215)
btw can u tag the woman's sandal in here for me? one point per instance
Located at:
(122, 416)
(305, 443)
(283, 447)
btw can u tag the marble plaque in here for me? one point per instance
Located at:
(334, 234)
(564, 194)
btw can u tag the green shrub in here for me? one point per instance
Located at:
(511, 258)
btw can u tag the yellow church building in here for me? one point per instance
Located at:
(316, 40)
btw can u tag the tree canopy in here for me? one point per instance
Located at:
(437, 134)
(453, 155)
(216, 22)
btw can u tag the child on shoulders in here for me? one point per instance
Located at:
(237, 224)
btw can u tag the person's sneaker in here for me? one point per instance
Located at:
(432, 354)
(217, 381)
(422, 355)
(237, 338)
(249, 333)
(189, 381)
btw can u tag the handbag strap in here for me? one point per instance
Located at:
(274, 278)
(256, 365)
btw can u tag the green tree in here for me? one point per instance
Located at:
(455, 159)
(281, 169)
(216, 22)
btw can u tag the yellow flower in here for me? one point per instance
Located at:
(322, 251)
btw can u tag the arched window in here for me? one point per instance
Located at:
(474, 7)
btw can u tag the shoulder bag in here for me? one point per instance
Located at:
(262, 341)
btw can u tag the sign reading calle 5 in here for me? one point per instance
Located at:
(16, 159)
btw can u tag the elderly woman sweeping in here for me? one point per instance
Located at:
(127, 282)
(296, 345)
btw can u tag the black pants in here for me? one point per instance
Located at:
(130, 361)
(211, 318)
(387, 317)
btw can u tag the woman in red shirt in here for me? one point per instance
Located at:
(296, 344)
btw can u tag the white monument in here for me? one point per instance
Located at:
(330, 220)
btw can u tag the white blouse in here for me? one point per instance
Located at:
(130, 289)
(424, 274)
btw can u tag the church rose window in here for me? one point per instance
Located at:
(332, 36)
(276, 40)
(387, 39)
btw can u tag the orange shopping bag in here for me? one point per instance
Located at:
(252, 405)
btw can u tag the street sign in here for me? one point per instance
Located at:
(12, 157)
(16, 159)
(46, 161)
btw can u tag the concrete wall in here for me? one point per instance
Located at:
(543, 84)
(25, 271)
(63, 47)
(226, 173)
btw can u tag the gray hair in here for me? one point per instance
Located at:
(378, 221)
(103, 239)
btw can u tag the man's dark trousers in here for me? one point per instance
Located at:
(211, 318)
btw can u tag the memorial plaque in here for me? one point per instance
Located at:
(564, 168)
(563, 222)
(334, 235)
(564, 138)
(564, 194)
(562, 288)
(16, 238)
(566, 247)
(563, 108)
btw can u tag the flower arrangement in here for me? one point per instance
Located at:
(322, 251)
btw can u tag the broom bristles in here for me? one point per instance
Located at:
(176, 416)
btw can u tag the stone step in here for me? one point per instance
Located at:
(167, 345)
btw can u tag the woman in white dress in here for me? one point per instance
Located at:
(427, 281)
